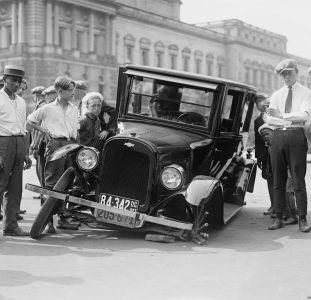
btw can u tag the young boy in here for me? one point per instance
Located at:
(90, 131)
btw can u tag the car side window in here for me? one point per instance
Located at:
(230, 110)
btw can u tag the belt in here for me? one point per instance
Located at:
(17, 135)
(288, 128)
(63, 139)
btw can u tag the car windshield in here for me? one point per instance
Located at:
(170, 101)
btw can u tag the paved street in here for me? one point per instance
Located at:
(242, 260)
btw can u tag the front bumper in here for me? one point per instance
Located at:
(111, 215)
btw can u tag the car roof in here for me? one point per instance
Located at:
(190, 76)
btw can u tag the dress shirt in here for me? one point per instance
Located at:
(301, 104)
(56, 121)
(12, 115)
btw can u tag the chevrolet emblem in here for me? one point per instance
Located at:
(129, 145)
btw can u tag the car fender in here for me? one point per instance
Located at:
(63, 151)
(201, 187)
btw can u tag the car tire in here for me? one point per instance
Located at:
(49, 207)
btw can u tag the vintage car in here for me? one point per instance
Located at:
(177, 163)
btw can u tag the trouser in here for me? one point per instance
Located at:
(270, 188)
(40, 164)
(289, 149)
(12, 150)
(54, 169)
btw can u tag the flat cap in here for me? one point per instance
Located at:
(49, 90)
(38, 89)
(286, 65)
(81, 85)
(13, 70)
(264, 126)
(309, 71)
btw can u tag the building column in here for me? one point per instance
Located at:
(21, 23)
(49, 26)
(14, 22)
(56, 25)
(91, 32)
(113, 36)
(74, 29)
(107, 35)
(4, 41)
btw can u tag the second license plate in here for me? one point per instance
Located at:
(119, 202)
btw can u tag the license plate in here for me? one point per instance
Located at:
(119, 202)
(114, 218)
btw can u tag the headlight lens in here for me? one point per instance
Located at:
(87, 158)
(173, 177)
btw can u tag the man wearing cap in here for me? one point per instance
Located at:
(290, 108)
(38, 97)
(13, 148)
(50, 94)
(80, 92)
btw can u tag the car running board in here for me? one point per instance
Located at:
(230, 210)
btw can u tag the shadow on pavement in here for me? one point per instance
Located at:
(10, 278)
(246, 232)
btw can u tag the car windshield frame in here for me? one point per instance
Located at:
(188, 116)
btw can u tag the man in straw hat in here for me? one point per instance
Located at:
(12, 137)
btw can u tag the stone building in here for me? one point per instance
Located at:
(89, 39)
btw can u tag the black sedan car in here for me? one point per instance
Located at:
(177, 163)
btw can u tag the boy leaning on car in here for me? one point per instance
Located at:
(59, 122)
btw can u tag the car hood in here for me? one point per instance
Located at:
(163, 137)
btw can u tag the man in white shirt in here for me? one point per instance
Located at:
(289, 110)
(13, 148)
(58, 121)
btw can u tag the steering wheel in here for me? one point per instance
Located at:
(192, 118)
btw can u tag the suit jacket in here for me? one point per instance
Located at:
(260, 146)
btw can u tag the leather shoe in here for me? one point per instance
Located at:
(16, 232)
(21, 212)
(268, 211)
(291, 221)
(1, 216)
(19, 217)
(303, 226)
(277, 223)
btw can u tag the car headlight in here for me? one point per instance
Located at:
(173, 177)
(87, 158)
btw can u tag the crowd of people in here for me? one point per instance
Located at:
(64, 113)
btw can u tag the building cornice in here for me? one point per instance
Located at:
(168, 23)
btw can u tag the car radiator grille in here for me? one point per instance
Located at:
(125, 173)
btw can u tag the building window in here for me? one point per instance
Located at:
(61, 37)
(144, 50)
(129, 43)
(173, 59)
(220, 66)
(159, 58)
(145, 57)
(159, 50)
(186, 63)
(198, 64)
(247, 79)
(80, 43)
(198, 55)
(173, 52)
(186, 59)
(129, 54)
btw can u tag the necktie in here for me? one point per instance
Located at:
(289, 98)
